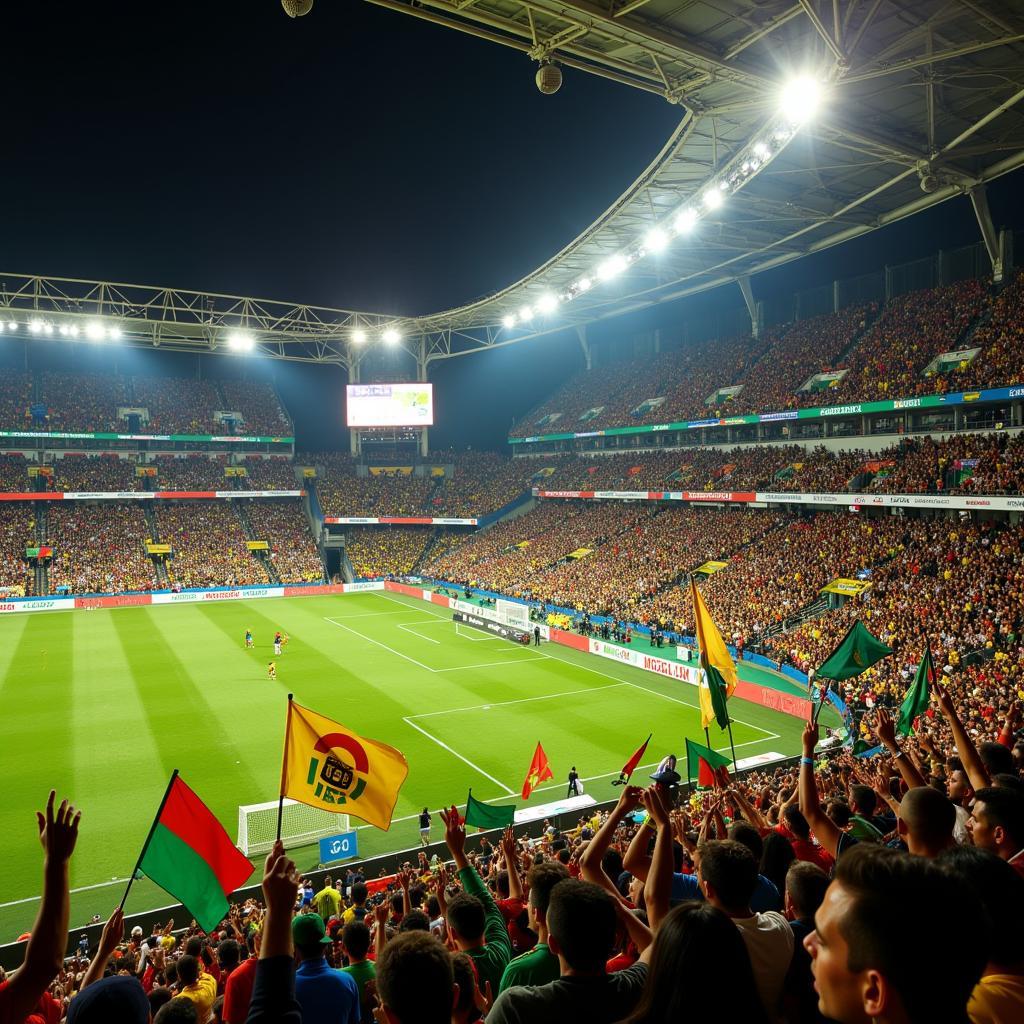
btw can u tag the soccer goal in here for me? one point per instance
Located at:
(300, 825)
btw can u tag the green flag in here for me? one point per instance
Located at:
(916, 701)
(485, 816)
(710, 765)
(856, 653)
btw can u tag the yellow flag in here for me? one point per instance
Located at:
(327, 765)
(713, 655)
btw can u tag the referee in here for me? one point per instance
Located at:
(574, 789)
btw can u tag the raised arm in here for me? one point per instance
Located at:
(885, 729)
(593, 856)
(823, 827)
(113, 933)
(44, 954)
(508, 849)
(658, 887)
(975, 768)
(748, 810)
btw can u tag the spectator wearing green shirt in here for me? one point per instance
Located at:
(474, 921)
(539, 965)
(355, 940)
(328, 900)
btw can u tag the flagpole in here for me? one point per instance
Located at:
(732, 746)
(284, 766)
(145, 845)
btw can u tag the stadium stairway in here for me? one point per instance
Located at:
(42, 579)
(154, 535)
(243, 517)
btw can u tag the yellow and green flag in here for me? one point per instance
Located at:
(329, 766)
(717, 670)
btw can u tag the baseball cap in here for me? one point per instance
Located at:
(308, 929)
(668, 777)
(136, 931)
(118, 998)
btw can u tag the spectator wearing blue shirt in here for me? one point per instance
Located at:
(326, 995)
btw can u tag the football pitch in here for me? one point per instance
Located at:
(103, 705)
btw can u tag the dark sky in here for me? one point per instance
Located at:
(354, 158)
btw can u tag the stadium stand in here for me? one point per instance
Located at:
(15, 399)
(14, 473)
(208, 542)
(17, 532)
(191, 473)
(276, 474)
(258, 403)
(83, 402)
(376, 552)
(95, 473)
(283, 524)
(177, 405)
(98, 549)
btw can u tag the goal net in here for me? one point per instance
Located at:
(512, 613)
(300, 825)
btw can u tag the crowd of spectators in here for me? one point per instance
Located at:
(83, 402)
(99, 549)
(15, 400)
(480, 482)
(191, 473)
(284, 526)
(208, 543)
(14, 473)
(17, 532)
(786, 895)
(378, 551)
(177, 405)
(75, 472)
(259, 405)
(273, 474)
(1000, 339)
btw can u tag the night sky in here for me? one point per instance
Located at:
(354, 158)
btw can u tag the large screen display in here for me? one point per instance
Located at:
(390, 405)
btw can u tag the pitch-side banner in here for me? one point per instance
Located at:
(996, 502)
(144, 495)
(397, 521)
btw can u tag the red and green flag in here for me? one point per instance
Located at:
(538, 772)
(915, 703)
(711, 766)
(485, 816)
(190, 856)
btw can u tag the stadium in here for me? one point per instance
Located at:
(595, 590)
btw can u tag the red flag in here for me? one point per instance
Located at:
(630, 766)
(540, 769)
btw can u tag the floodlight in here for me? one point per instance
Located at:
(508, 321)
(611, 267)
(526, 314)
(761, 151)
(63, 329)
(12, 325)
(94, 330)
(713, 198)
(35, 326)
(584, 284)
(800, 98)
(73, 331)
(655, 240)
(114, 333)
(240, 341)
(686, 221)
(547, 303)
(392, 336)
(359, 336)
(47, 328)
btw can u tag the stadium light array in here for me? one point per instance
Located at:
(508, 321)
(12, 325)
(241, 341)
(547, 303)
(94, 330)
(114, 333)
(392, 336)
(799, 99)
(359, 336)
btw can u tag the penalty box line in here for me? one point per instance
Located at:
(766, 734)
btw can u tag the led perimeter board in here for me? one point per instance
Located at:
(390, 405)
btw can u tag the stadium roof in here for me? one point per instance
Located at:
(921, 103)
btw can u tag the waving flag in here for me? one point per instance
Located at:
(717, 670)
(540, 770)
(915, 703)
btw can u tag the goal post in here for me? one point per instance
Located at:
(300, 825)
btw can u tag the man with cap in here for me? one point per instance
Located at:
(118, 998)
(326, 995)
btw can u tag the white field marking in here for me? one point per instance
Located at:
(455, 753)
(370, 615)
(607, 675)
(419, 664)
(519, 700)
(486, 664)
(407, 626)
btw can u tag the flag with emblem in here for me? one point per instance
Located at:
(328, 765)
(540, 771)
(189, 855)
(717, 673)
(856, 653)
(712, 768)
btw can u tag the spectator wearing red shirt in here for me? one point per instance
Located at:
(238, 990)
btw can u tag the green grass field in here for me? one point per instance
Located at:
(103, 705)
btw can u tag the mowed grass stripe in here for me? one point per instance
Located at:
(36, 738)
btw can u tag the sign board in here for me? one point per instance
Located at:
(342, 846)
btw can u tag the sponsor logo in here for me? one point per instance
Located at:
(1016, 393)
(901, 499)
(982, 502)
(1015, 502)
(708, 495)
(841, 410)
(906, 403)
(771, 417)
(332, 780)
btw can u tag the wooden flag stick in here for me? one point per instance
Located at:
(284, 765)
